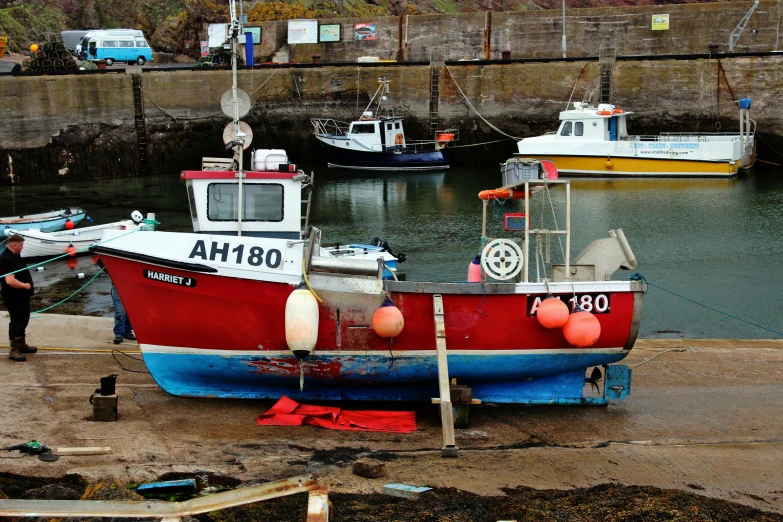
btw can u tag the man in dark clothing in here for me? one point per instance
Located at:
(16, 287)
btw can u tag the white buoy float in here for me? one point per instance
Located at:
(301, 326)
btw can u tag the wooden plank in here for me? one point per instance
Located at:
(94, 450)
(436, 400)
(446, 414)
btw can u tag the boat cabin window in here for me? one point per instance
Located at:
(388, 126)
(566, 129)
(261, 202)
(397, 125)
(363, 128)
(579, 128)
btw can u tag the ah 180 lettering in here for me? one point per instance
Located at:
(595, 303)
(222, 252)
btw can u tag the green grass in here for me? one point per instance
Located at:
(447, 6)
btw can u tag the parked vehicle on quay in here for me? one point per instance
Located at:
(116, 45)
(72, 39)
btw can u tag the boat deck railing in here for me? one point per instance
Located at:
(329, 126)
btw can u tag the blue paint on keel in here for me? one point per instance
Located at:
(516, 378)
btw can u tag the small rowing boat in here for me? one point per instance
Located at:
(45, 221)
(49, 244)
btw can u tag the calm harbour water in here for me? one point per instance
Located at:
(718, 242)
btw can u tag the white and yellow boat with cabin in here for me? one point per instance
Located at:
(594, 141)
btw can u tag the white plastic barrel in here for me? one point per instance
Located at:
(269, 159)
(301, 322)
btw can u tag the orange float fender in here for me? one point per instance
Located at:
(503, 194)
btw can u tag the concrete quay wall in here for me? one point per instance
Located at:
(626, 31)
(82, 126)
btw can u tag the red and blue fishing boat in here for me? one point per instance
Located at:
(250, 305)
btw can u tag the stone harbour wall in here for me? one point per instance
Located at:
(82, 126)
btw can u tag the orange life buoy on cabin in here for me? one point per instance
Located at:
(619, 111)
(398, 139)
(604, 113)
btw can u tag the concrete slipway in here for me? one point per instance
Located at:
(704, 417)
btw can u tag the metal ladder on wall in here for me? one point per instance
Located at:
(606, 57)
(141, 128)
(434, 98)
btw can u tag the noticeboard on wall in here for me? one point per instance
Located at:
(660, 22)
(218, 34)
(330, 33)
(256, 32)
(364, 32)
(302, 31)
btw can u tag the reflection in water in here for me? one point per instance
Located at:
(716, 241)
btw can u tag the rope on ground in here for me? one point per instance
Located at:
(471, 107)
(113, 354)
(657, 354)
(479, 144)
(639, 277)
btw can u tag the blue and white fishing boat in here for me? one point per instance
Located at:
(375, 142)
(51, 221)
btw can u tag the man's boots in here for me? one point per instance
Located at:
(26, 348)
(16, 350)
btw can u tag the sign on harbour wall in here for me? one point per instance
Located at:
(204, 47)
(218, 34)
(363, 32)
(660, 22)
(256, 32)
(302, 31)
(330, 32)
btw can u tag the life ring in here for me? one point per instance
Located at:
(398, 139)
(604, 113)
(619, 111)
(717, 126)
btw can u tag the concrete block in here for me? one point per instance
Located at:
(404, 490)
(369, 468)
(104, 408)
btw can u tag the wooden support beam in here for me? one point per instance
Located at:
(446, 414)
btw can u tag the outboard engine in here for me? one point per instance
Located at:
(382, 243)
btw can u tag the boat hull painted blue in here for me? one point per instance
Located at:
(409, 160)
(53, 224)
(513, 378)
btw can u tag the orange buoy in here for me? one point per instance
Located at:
(582, 329)
(72, 263)
(387, 320)
(69, 224)
(552, 312)
(474, 270)
(608, 164)
(550, 171)
(34, 48)
(71, 250)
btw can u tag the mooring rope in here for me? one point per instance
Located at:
(70, 296)
(639, 277)
(471, 107)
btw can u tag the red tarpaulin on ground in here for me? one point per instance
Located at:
(287, 412)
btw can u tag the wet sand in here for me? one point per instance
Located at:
(702, 418)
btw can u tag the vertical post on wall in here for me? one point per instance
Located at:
(564, 33)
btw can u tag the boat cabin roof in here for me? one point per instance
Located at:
(232, 174)
(603, 111)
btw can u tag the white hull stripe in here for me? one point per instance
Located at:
(177, 350)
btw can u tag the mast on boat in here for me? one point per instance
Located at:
(239, 140)
(383, 91)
